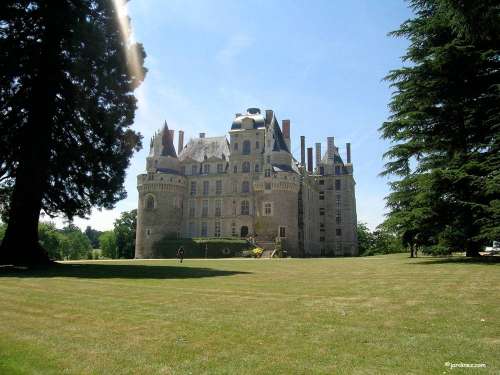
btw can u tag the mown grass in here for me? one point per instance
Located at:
(374, 315)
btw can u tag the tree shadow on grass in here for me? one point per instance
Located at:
(115, 271)
(459, 260)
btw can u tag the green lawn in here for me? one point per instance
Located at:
(373, 315)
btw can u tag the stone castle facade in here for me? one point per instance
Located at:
(248, 186)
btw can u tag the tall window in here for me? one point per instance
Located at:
(204, 208)
(205, 187)
(257, 168)
(150, 202)
(220, 168)
(337, 170)
(268, 159)
(194, 169)
(245, 208)
(191, 208)
(218, 208)
(206, 168)
(192, 229)
(193, 188)
(282, 232)
(338, 232)
(217, 229)
(268, 173)
(235, 169)
(246, 167)
(337, 201)
(218, 187)
(245, 187)
(268, 209)
(204, 229)
(337, 184)
(246, 147)
(233, 229)
(322, 211)
(321, 195)
(257, 145)
(338, 218)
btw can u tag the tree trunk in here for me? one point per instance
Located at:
(20, 245)
(474, 252)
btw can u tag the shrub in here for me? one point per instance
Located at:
(200, 247)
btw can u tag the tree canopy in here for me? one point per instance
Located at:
(66, 104)
(445, 127)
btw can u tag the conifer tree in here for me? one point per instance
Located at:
(445, 126)
(66, 104)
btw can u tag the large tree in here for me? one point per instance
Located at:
(67, 74)
(445, 126)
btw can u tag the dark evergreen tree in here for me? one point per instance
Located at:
(124, 229)
(445, 126)
(66, 104)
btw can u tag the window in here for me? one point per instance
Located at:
(268, 209)
(337, 184)
(321, 182)
(321, 195)
(206, 168)
(245, 208)
(233, 229)
(337, 201)
(246, 148)
(236, 146)
(217, 229)
(151, 177)
(257, 168)
(194, 169)
(205, 187)
(183, 170)
(337, 170)
(235, 169)
(246, 167)
(268, 159)
(204, 208)
(268, 173)
(282, 232)
(218, 208)
(235, 187)
(192, 229)
(218, 187)
(148, 232)
(150, 202)
(192, 208)
(220, 168)
(257, 145)
(193, 188)
(245, 187)
(338, 218)
(322, 171)
(322, 211)
(204, 229)
(338, 232)
(322, 239)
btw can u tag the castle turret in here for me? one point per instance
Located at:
(161, 195)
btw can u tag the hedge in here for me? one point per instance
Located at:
(195, 247)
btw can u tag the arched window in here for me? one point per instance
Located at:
(245, 187)
(235, 169)
(245, 208)
(246, 167)
(257, 168)
(246, 147)
(150, 202)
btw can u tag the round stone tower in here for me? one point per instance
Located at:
(161, 193)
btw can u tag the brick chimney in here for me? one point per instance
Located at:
(180, 141)
(285, 127)
(310, 159)
(303, 150)
(348, 147)
(330, 149)
(318, 154)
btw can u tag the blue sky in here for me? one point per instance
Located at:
(318, 63)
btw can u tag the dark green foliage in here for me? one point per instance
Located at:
(445, 127)
(93, 236)
(68, 243)
(125, 228)
(107, 242)
(201, 247)
(380, 241)
(66, 105)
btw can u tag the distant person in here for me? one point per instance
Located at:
(180, 254)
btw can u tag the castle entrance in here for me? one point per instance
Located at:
(244, 231)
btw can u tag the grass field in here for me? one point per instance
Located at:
(373, 315)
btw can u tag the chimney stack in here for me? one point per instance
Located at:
(310, 159)
(202, 135)
(269, 115)
(318, 154)
(348, 147)
(180, 141)
(303, 150)
(330, 147)
(285, 127)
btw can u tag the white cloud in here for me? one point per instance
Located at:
(234, 47)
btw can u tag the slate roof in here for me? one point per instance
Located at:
(279, 139)
(337, 159)
(258, 121)
(199, 148)
(167, 143)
